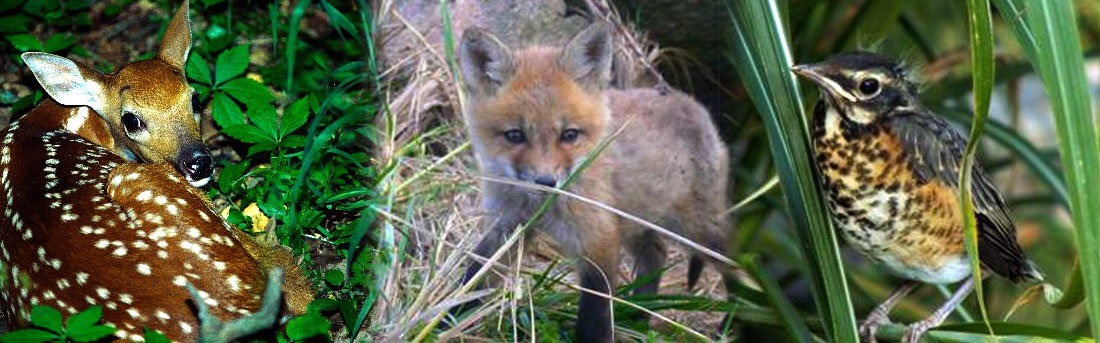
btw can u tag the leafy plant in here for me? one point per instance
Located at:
(47, 327)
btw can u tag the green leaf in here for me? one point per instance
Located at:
(261, 147)
(1050, 28)
(293, 141)
(230, 175)
(307, 326)
(792, 321)
(337, 19)
(231, 63)
(981, 47)
(24, 42)
(226, 112)
(84, 320)
(46, 318)
(198, 69)
(295, 116)
(153, 336)
(59, 42)
(14, 23)
(334, 277)
(247, 91)
(247, 133)
(762, 57)
(92, 334)
(9, 4)
(264, 117)
(28, 336)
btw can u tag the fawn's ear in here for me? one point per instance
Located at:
(177, 39)
(587, 57)
(67, 82)
(485, 62)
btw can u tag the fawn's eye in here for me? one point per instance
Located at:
(132, 123)
(515, 136)
(869, 86)
(570, 135)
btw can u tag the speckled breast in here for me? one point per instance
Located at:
(910, 226)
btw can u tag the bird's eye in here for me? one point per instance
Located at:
(515, 136)
(570, 135)
(132, 123)
(868, 86)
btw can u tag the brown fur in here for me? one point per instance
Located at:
(668, 166)
(84, 224)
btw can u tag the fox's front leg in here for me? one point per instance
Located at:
(500, 228)
(597, 270)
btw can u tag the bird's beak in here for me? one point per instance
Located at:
(815, 73)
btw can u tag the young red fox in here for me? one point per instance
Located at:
(535, 114)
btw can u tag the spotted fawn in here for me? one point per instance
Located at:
(99, 208)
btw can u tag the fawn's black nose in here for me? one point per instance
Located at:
(196, 165)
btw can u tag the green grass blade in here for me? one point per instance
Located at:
(292, 42)
(762, 57)
(981, 60)
(1048, 32)
(788, 315)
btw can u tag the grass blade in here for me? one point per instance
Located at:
(789, 316)
(981, 60)
(1048, 32)
(762, 57)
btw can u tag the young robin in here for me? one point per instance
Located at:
(891, 170)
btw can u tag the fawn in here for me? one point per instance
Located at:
(99, 207)
(536, 114)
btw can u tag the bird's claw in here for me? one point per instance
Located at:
(917, 330)
(868, 327)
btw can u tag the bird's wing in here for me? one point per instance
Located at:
(935, 152)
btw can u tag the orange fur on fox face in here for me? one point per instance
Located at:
(542, 101)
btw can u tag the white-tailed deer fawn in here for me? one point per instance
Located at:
(98, 207)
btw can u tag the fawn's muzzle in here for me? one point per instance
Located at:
(196, 165)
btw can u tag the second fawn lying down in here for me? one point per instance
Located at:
(535, 114)
(87, 222)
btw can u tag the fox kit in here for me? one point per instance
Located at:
(535, 114)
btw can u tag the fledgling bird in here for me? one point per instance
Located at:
(891, 170)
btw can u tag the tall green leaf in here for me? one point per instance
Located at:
(1048, 32)
(981, 61)
(762, 57)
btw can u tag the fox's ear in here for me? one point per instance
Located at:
(485, 62)
(588, 56)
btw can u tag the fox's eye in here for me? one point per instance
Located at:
(132, 123)
(570, 135)
(515, 136)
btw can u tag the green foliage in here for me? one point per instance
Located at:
(46, 326)
(302, 145)
(981, 46)
(296, 150)
(763, 58)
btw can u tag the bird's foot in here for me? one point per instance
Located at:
(869, 326)
(917, 330)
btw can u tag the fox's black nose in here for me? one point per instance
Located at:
(546, 181)
(196, 165)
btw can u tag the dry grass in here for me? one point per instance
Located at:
(434, 192)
